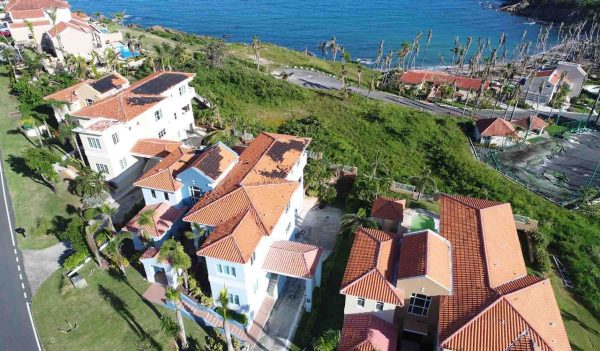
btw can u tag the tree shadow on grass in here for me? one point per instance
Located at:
(18, 165)
(115, 274)
(121, 308)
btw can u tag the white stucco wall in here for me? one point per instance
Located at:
(386, 314)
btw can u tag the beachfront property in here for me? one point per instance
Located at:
(495, 132)
(464, 288)
(156, 107)
(244, 212)
(66, 33)
(85, 93)
(464, 86)
(550, 80)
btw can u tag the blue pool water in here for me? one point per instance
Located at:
(125, 53)
(299, 24)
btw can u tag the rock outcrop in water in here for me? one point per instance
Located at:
(551, 11)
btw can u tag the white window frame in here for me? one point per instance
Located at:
(162, 133)
(419, 305)
(94, 143)
(115, 138)
(379, 306)
(123, 163)
(166, 196)
(88, 102)
(195, 193)
(360, 302)
(182, 90)
(227, 270)
(234, 299)
(157, 115)
(153, 193)
(102, 168)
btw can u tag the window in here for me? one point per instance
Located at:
(360, 302)
(195, 193)
(157, 115)
(419, 305)
(123, 163)
(166, 196)
(233, 298)
(94, 143)
(185, 108)
(379, 306)
(175, 115)
(153, 193)
(182, 90)
(289, 226)
(115, 138)
(255, 285)
(162, 133)
(102, 168)
(219, 268)
(227, 270)
(252, 258)
(88, 102)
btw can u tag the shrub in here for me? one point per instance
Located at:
(74, 260)
(540, 251)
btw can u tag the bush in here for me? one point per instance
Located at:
(75, 234)
(540, 252)
(74, 260)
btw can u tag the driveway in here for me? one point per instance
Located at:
(318, 227)
(40, 264)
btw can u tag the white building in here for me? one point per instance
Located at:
(157, 107)
(495, 132)
(550, 81)
(86, 93)
(19, 12)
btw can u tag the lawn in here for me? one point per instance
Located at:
(32, 202)
(110, 314)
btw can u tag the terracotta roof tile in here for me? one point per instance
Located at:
(495, 127)
(163, 217)
(292, 259)
(215, 160)
(102, 85)
(367, 332)
(68, 94)
(135, 100)
(426, 253)
(532, 122)
(150, 252)
(370, 269)
(33, 23)
(20, 5)
(388, 208)
(419, 76)
(153, 147)
(28, 14)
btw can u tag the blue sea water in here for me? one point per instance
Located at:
(357, 25)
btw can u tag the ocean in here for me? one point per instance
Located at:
(358, 26)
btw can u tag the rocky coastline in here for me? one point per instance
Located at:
(548, 12)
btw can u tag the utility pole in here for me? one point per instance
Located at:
(593, 109)
(593, 175)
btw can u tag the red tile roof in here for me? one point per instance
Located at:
(68, 94)
(153, 147)
(257, 183)
(532, 122)
(150, 252)
(21, 5)
(133, 101)
(544, 73)
(28, 14)
(370, 269)
(495, 127)
(163, 217)
(163, 175)
(367, 332)
(416, 77)
(33, 23)
(292, 259)
(72, 24)
(388, 208)
(426, 253)
(490, 285)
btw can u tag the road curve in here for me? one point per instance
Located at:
(17, 329)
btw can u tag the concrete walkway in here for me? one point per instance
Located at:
(40, 264)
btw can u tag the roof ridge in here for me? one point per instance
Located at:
(504, 297)
(241, 217)
(378, 273)
(255, 211)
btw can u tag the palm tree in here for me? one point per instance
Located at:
(403, 52)
(379, 54)
(173, 295)
(115, 251)
(334, 46)
(359, 73)
(110, 58)
(38, 46)
(256, 47)
(429, 35)
(328, 341)
(146, 218)
(52, 15)
(90, 238)
(119, 18)
(90, 182)
(423, 182)
(344, 76)
(173, 252)
(170, 328)
(351, 221)
(223, 310)
(109, 211)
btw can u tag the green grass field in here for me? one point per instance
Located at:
(110, 314)
(31, 200)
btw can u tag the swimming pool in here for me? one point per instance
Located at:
(422, 222)
(124, 51)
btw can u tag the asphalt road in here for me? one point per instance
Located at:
(17, 331)
(319, 81)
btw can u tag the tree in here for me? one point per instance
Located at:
(38, 46)
(146, 218)
(223, 310)
(328, 341)
(359, 73)
(327, 194)
(586, 201)
(41, 162)
(52, 14)
(119, 18)
(173, 252)
(109, 211)
(256, 47)
(423, 182)
(215, 52)
(351, 221)
(30, 121)
(172, 295)
(116, 255)
(90, 183)
(170, 328)
(90, 238)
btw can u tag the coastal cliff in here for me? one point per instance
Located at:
(552, 10)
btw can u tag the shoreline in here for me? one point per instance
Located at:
(546, 13)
